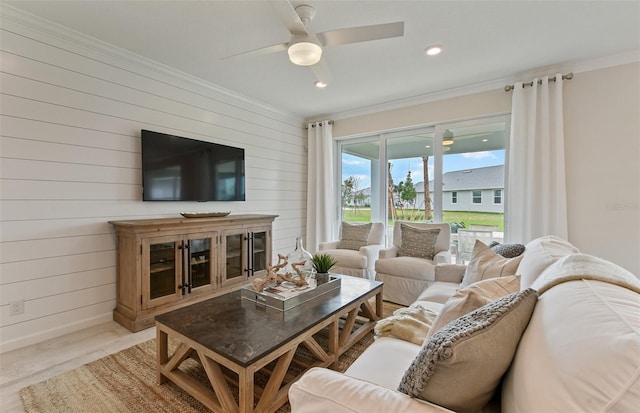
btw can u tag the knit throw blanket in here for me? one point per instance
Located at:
(410, 324)
(585, 267)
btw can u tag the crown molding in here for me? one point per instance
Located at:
(598, 63)
(578, 66)
(415, 100)
(14, 19)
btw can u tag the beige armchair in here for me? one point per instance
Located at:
(353, 259)
(406, 270)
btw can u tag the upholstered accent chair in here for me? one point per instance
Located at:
(408, 267)
(357, 250)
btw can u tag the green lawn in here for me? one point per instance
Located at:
(469, 218)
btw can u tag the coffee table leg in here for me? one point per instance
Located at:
(162, 351)
(334, 339)
(246, 389)
(379, 304)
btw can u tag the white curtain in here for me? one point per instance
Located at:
(320, 191)
(536, 184)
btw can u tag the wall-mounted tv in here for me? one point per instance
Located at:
(175, 168)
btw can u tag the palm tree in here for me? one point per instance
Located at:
(428, 213)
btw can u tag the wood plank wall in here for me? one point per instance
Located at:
(71, 114)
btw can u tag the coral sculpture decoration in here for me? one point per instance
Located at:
(273, 277)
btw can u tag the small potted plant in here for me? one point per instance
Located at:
(322, 263)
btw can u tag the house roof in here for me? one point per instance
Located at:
(489, 177)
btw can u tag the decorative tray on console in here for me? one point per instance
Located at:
(287, 295)
(204, 214)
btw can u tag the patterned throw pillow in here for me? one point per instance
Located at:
(418, 242)
(354, 236)
(486, 264)
(473, 297)
(461, 365)
(507, 250)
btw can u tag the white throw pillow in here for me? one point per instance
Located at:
(539, 254)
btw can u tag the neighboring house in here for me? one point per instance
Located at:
(476, 189)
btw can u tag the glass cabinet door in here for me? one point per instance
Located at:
(162, 261)
(235, 263)
(200, 262)
(259, 259)
(247, 254)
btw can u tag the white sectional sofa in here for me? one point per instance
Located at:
(580, 351)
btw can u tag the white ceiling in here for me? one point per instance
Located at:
(483, 41)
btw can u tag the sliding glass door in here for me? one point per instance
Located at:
(451, 173)
(410, 167)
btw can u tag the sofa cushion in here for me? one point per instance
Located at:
(486, 264)
(581, 267)
(473, 297)
(354, 236)
(407, 267)
(507, 250)
(348, 258)
(539, 254)
(384, 362)
(418, 242)
(460, 366)
(326, 391)
(438, 292)
(581, 351)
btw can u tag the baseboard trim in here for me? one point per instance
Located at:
(54, 332)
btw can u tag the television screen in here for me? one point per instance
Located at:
(182, 169)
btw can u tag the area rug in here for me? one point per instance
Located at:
(127, 382)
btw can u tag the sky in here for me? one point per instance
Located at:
(361, 168)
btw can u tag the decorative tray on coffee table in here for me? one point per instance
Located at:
(287, 295)
(204, 214)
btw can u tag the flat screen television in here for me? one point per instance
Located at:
(175, 168)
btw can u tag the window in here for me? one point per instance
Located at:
(497, 196)
(408, 174)
(360, 192)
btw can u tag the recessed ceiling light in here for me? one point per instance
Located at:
(427, 146)
(319, 84)
(485, 140)
(433, 50)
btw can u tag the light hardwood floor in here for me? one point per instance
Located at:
(33, 364)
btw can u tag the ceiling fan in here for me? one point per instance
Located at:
(305, 47)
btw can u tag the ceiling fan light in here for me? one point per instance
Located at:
(447, 137)
(305, 53)
(433, 50)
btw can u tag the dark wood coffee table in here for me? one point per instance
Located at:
(234, 338)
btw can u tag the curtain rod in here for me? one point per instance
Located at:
(568, 76)
(314, 125)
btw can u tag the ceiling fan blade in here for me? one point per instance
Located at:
(290, 18)
(322, 72)
(361, 34)
(260, 52)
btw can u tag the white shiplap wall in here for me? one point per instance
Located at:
(71, 115)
